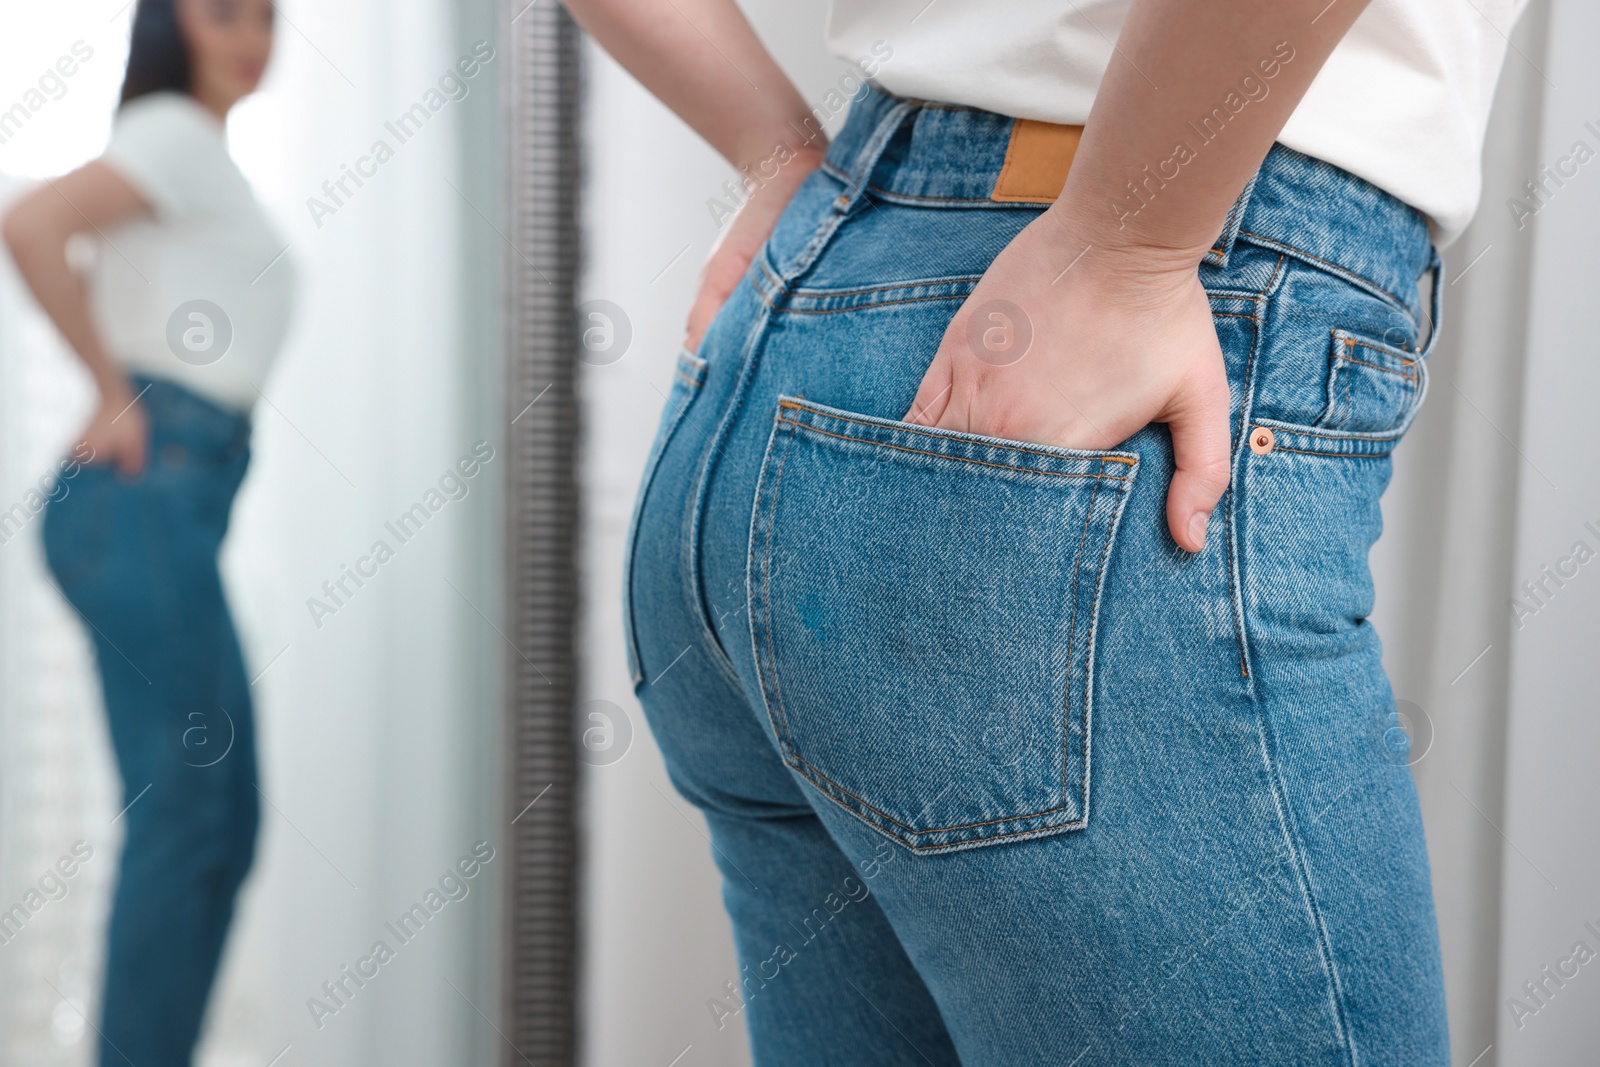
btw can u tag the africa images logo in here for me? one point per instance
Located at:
(199, 332)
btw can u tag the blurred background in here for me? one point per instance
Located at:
(382, 729)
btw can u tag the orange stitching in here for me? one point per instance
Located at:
(1332, 455)
(1072, 625)
(1386, 437)
(810, 770)
(822, 294)
(1356, 342)
(858, 307)
(1377, 366)
(958, 459)
(1018, 447)
(1236, 598)
(1094, 619)
(1075, 824)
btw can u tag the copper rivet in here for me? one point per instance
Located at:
(1261, 440)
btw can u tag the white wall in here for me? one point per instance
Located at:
(1551, 867)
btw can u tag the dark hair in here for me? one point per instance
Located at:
(158, 56)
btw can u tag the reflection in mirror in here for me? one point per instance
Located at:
(251, 510)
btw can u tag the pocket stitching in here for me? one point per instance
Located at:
(958, 459)
(1405, 374)
(900, 426)
(766, 599)
(1344, 341)
(792, 757)
(1072, 629)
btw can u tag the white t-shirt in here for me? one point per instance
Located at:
(198, 292)
(1402, 102)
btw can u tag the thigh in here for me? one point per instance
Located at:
(140, 567)
(821, 976)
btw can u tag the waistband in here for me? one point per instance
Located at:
(931, 154)
(179, 415)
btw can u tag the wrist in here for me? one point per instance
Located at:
(1132, 249)
(115, 390)
(1121, 267)
(783, 160)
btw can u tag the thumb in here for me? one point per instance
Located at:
(1198, 420)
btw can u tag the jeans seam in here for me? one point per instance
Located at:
(695, 588)
(913, 283)
(1015, 446)
(1331, 267)
(1072, 630)
(873, 304)
(955, 459)
(816, 774)
(1268, 735)
(769, 678)
(1286, 824)
(1377, 366)
(1241, 634)
(1332, 455)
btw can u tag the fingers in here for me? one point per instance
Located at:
(130, 456)
(1198, 420)
(706, 306)
(933, 395)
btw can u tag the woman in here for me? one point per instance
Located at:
(1039, 423)
(177, 322)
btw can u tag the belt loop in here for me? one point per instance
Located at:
(865, 163)
(867, 159)
(1218, 256)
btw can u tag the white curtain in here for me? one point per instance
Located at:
(1494, 481)
(378, 728)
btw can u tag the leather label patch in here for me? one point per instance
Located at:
(1037, 161)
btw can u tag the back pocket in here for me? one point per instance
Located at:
(923, 606)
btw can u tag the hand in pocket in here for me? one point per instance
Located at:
(1063, 344)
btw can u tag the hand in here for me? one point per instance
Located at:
(737, 245)
(117, 432)
(1082, 349)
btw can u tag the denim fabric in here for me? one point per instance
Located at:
(994, 773)
(137, 558)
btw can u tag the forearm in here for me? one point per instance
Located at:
(1195, 96)
(703, 60)
(41, 260)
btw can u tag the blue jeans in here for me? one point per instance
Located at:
(138, 559)
(884, 659)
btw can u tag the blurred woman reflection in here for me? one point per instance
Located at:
(177, 319)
